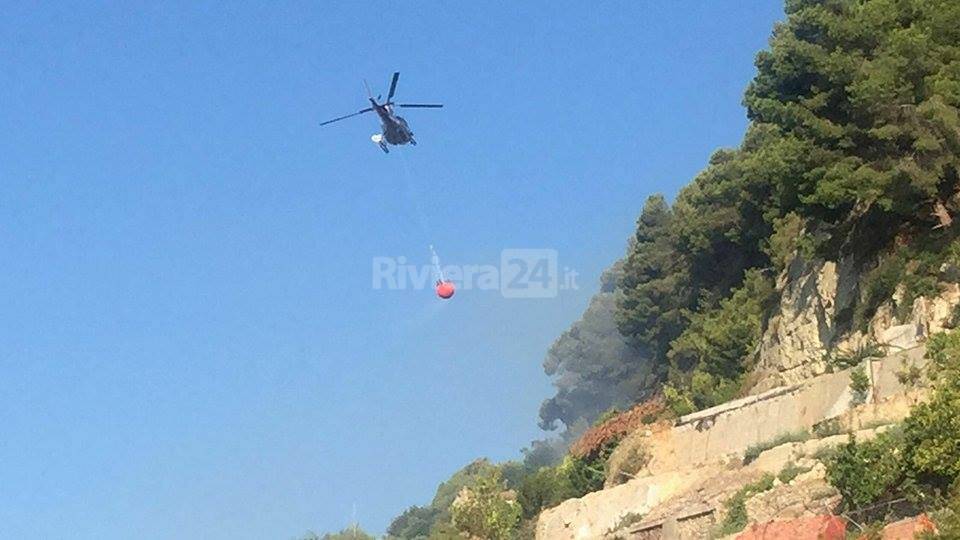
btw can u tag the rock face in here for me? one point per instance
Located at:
(810, 321)
(801, 331)
(595, 513)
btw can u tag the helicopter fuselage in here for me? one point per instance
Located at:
(394, 127)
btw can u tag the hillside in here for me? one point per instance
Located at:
(783, 327)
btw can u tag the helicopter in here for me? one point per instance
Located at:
(394, 127)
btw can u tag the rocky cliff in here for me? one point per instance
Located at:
(811, 322)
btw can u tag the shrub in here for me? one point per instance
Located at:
(791, 471)
(933, 434)
(921, 458)
(483, 511)
(606, 415)
(414, 522)
(736, 506)
(678, 402)
(867, 472)
(825, 453)
(828, 428)
(845, 360)
(586, 475)
(932, 431)
(614, 428)
(711, 356)
(910, 375)
(859, 386)
(947, 520)
(543, 489)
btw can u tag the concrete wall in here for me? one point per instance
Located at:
(712, 434)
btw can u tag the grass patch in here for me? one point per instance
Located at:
(754, 451)
(791, 471)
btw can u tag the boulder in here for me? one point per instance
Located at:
(813, 528)
(909, 528)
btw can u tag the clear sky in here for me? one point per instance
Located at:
(190, 343)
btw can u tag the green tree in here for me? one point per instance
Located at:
(710, 357)
(651, 310)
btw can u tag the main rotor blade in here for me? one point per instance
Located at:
(420, 105)
(368, 109)
(393, 85)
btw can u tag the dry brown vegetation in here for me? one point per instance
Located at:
(617, 427)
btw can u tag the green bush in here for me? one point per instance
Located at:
(628, 519)
(678, 402)
(414, 523)
(910, 375)
(867, 472)
(844, 360)
(635, 459)
(915, 268)
(932, 431)
(859, 386)
(543, 489)
(574, 477)
(606, 415)
(350, 533)
(483, 511)
(825, 453)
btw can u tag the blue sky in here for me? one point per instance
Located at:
(190, 345)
